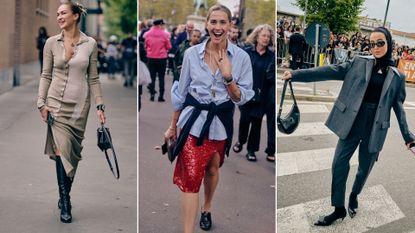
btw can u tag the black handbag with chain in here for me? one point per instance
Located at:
(105, 143)
(288, 123)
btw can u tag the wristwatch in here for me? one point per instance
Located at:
(228, 80)
(101, 107)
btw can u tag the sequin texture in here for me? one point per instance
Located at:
(192, 162)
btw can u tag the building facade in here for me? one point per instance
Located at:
(20, 21)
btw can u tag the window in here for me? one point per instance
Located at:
(42, 7)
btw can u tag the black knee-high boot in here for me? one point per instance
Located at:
(64, 185)
(69, 188)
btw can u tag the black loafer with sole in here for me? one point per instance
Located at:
(237, 147)
(271, 158)
(251, 156)
(205, 221)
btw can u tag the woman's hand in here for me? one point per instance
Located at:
(224, 63)
(287, 75)
(170, 134)
(44, 113)
(101, 116)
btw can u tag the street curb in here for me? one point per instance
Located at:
(316, 98)
(281, 70)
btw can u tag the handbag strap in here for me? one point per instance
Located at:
(292, 92)
(284, 89)
(117, 173)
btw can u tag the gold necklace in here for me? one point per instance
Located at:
(213, 92)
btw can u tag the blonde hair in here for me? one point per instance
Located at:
(253, 37)
(219, 7)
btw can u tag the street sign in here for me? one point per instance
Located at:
(324, 35)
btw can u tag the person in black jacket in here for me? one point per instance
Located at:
(41, 40)
(360, 117)
(259, 50)
(296, 48)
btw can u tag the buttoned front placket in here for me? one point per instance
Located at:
(82, 39)
(66, 72)
(65, 81)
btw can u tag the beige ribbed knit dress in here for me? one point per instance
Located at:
(66, 88)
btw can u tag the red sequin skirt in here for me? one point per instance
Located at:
(192, 162)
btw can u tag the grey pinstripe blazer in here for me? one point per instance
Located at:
(355, 75)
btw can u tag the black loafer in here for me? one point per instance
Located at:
(251, 156)
(237, 147)
(205, 221)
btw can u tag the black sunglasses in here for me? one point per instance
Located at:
(379, 44)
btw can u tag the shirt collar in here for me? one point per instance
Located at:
(268, 51)
(82, 37)
(230, 48)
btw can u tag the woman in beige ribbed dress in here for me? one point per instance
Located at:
(69, 80)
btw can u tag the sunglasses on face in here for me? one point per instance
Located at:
(378, 44)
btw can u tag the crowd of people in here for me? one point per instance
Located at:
(212, 70)
(163, 50)
(118, 57)
(340, 48)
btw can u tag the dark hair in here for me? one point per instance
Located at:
(76, 8)
(43, 31)
(249, 31)
(196, 30)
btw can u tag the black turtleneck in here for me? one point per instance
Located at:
(374, 88)
(379, 71)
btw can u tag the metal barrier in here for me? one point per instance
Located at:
(333, 56)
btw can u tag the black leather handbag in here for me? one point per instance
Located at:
(105, 144)
(288, 123)
(168, 147)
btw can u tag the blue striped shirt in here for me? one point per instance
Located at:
(197, 79)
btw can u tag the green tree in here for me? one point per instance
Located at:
(259, 12)
(172, 11)
(120, 17)
(341, 16)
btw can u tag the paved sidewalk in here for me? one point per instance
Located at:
(244, 201)
(29, 194)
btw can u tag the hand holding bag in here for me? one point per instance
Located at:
(289, 123)
(168, 147)
(105, 143)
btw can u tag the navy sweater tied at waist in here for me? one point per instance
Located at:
(224, 112)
